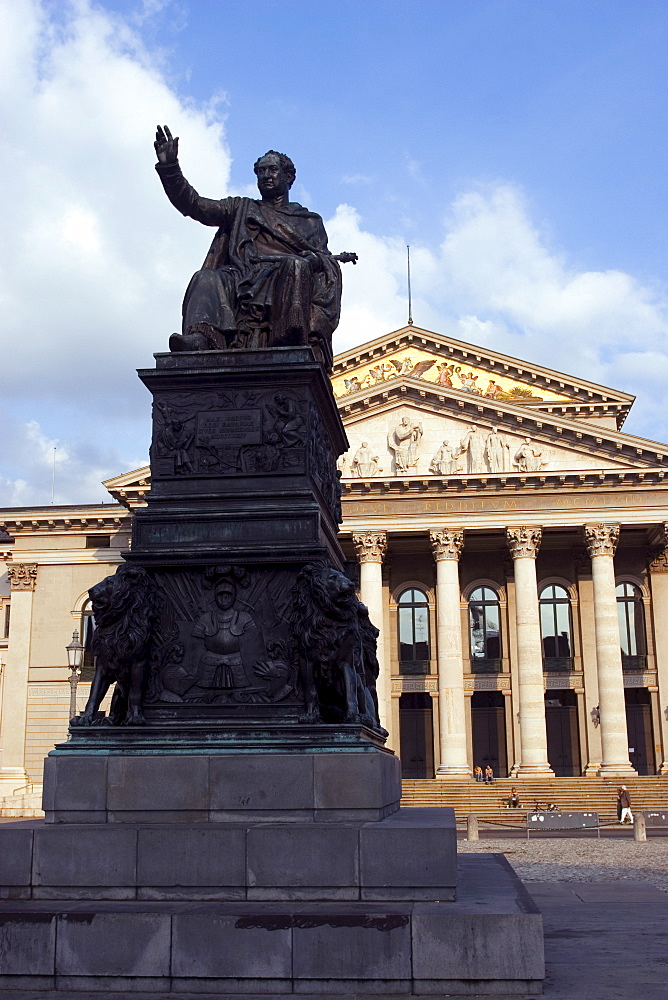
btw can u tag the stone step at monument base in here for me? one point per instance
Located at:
(410, 855)
(253, 773)
(488, 942)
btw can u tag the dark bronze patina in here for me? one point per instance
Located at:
(268, 279)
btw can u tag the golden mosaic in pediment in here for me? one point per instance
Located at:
(414, 362)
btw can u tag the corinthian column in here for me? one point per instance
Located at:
(370, 547)
(447, 546)
(524, 544)
(23, 578)
(601, 542)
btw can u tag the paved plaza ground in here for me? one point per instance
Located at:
(605, 912)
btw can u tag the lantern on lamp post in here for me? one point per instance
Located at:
(74, 659)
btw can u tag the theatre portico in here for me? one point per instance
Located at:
(510, 541)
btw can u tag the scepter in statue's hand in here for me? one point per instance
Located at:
(166, 147)
(345, 257)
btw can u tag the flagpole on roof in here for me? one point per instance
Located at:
(410, 301)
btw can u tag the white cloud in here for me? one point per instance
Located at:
(94, 261)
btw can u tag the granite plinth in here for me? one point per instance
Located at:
(120, 775)
(411, 855)
(488, 942)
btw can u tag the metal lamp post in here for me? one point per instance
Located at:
(74, 658)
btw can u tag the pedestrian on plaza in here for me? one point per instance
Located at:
(514, 798)
(477, 773)
(489, 775)
(624, 805)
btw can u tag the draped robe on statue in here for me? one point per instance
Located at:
(254, 275)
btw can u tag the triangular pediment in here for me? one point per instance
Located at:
(412, 430)
(462, 368)
(130, 488)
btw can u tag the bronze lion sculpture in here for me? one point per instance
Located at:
(125, 608)
(336, 649)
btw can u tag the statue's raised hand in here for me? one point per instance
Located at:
(166, 147)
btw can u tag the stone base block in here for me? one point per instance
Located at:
(359, 784)
(488, 943)
(411, 855)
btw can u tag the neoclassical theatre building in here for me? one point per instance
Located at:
(511, 544)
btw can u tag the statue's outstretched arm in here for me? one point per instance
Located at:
(183, 195)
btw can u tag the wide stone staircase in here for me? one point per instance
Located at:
(599, 795)
(25, 803)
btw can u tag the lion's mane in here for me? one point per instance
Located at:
(125, 610)
(320, 623)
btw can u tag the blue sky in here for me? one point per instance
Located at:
(517, 145)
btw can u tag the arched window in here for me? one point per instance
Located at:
(631, 616)
(556, 630)
(413, 632)
(86, 630)
(485, 631)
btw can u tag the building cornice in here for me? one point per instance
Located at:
(477, 483)
(86, 520)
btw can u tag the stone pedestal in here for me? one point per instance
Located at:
(246, 839)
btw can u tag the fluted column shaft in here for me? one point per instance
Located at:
(601, 542)
(371, 547)
(524, 544)
(447, 546)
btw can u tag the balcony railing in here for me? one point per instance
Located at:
(633, 664)
(558, 665)
(484, 666)
(413, 668)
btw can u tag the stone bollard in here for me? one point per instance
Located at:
(472, 828)
(639, 826)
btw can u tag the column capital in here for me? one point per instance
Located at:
(447, 543)
(370, 546)
(601, 539)
(22, 576)
(524, 542)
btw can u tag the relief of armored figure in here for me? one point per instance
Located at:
(403, 442)
(364, 463)
(227, 633)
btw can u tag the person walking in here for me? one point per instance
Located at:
(624, 805)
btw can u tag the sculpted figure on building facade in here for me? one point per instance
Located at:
(473, 446)
(403, 442)
(364, 463)
(497, 452)
(444, 462)
(529, 457)
(268, 278)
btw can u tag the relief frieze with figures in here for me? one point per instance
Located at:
(413, 362)
(226, 434)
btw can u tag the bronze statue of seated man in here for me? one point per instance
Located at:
(268, 279)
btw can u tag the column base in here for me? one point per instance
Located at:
(454, 771)
(12, 778)
(591, 770)
(617, 771)
(663, 770)
(535, 771)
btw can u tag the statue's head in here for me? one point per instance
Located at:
(225, 594)
(275, 174)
